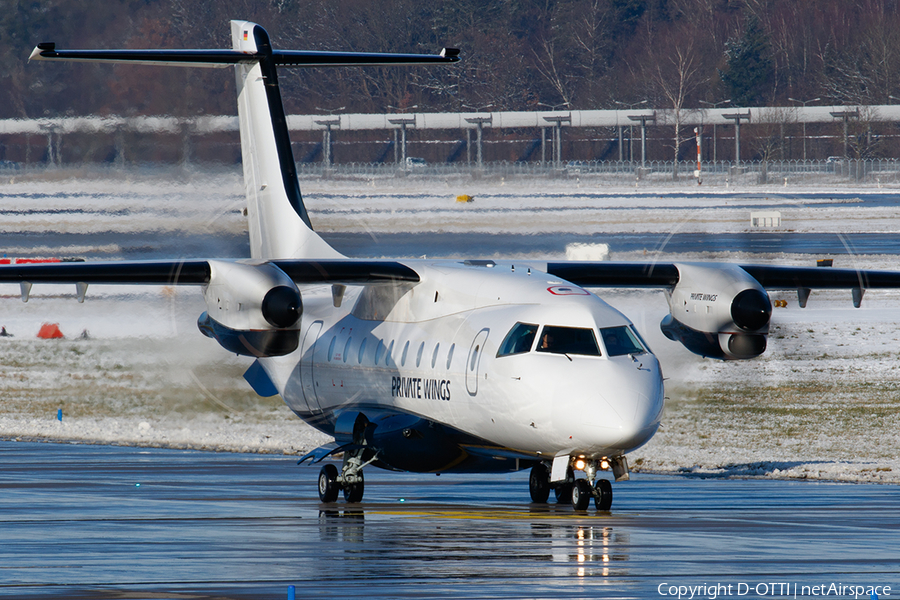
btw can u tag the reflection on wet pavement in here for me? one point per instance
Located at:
(108, 522)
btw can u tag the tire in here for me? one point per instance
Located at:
(604, 497)
(564, 490)
(328, 486)
(581, 495)
(539, 484)
(353, 492)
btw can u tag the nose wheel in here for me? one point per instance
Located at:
(601, 492)
(578, 490)
(581, 494)
(603, 495)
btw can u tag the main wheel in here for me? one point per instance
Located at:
(353, 492)
(539, 484)
(564, 490)
(581, 495)
(328, 486)
(603, 497)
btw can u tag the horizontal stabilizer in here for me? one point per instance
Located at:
(222, 58)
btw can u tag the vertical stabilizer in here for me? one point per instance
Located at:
(278, 221)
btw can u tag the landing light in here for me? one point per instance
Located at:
(579, 465)
(604, 465)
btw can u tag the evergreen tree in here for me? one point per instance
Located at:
(749, 69)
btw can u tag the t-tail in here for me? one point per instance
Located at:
(280, 227)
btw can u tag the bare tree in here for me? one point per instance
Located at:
(863, 142)
(675, 75)
(767, 136)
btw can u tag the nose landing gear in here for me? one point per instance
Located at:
(580, 482)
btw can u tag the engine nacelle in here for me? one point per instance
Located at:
(718, 311)
(252, 310)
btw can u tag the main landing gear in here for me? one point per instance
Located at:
(580, 483)
(350, 479)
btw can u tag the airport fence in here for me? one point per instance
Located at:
(750, 173)
(814, 173)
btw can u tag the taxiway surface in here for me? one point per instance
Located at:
(80, 521)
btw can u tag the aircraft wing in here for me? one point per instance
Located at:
(668, 275)
(198, 272)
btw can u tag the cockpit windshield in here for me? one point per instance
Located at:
(568, 340)
(621, 340)
(519, 339)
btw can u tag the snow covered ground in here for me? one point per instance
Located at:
(823, 402)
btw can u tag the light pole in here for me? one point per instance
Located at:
(845, 116)
(326, 139)
(643, 119)
(630, 106)
(403, 122)
(715, 125)
(736, 117)
(803, 121)
(479, 125)
(557, 122)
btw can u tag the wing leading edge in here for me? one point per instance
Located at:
(666, 275)
(197, 272)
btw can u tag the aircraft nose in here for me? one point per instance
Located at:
(610, 407)
(638, 405)
(637, 431)
(628, 410)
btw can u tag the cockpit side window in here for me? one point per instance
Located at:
(519, 339)
(568, 340)
(621, 340)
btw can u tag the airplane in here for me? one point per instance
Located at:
(478, 366)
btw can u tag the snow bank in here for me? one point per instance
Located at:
(822, 403)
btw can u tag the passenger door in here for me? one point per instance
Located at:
(307, 366)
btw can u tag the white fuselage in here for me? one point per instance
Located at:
(431, 350)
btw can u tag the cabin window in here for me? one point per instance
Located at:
(362, 350)
(568, 340)
(331, 348)
(403, 356)
(419, 354)
(519, 339)
(450, 355)
(434, 354)
(389, 356)
(379, 351)
(621, 340)
(347, 348)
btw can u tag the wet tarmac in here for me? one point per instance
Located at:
(79, 521)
